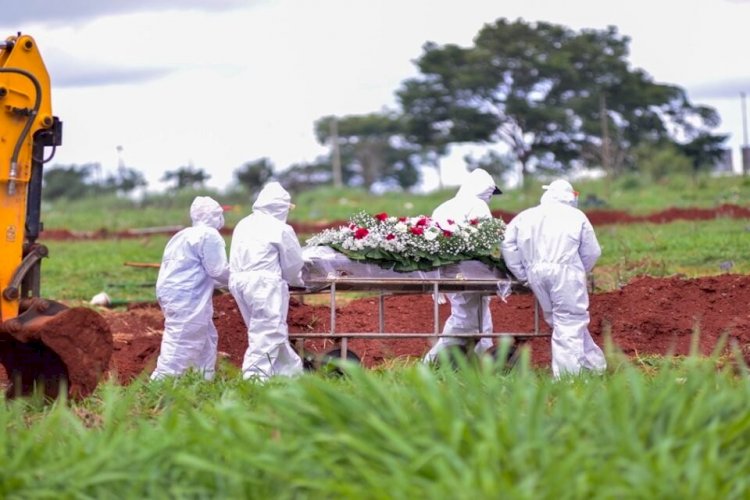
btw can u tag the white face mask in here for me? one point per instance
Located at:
(214, 219)
(486, 196)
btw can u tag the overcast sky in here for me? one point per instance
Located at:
(221, 82)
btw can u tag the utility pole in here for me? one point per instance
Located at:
(605, 133)
(606, 159)
(335, 154)
(120, 159)
(744, 119)
(745, 149)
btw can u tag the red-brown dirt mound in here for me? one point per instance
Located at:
(75, 344)
(649, 316)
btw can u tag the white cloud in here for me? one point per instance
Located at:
(57, 12)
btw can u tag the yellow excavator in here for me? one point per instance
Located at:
(44, 345)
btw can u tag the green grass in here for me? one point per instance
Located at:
(113, 214)
(684, 248)
(631, 194)
(681, 431)
(77, 270)
(638, 195)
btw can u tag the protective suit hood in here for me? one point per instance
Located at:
(478, 184)
(207, 212)
(560, 191)
(273, 200)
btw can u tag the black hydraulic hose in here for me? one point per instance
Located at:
(30, 121)
(46, 160)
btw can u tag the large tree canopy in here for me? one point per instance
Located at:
(555, 97)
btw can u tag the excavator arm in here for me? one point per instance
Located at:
(43, 344)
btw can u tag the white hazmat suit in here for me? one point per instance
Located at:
(471, 202)
(265, 257)
(194, 262)
(553, 246)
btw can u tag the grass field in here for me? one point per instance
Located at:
(692, 249)
(632, 194)
(671, 431)
(77, 270)
(656, 428)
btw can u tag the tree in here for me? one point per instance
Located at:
(78, 181)
(547, 93)
(124, 181)
(704, 151)
(71, 181)
(186, 177)
(493, 162)
(373, 149)
(658, 162)
(427, 121)
(254, 174)
(303, 176)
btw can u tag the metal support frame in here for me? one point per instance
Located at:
(386, 286)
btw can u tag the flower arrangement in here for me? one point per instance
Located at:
(415, 243)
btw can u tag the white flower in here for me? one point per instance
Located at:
(450, 226)
(431, 233)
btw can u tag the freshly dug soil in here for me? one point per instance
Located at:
(74, 346)
(649, 316)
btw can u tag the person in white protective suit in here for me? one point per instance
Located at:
(194, 263)
(265, 257)
(471, 202)
(552, 247)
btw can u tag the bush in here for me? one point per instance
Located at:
(661, 162)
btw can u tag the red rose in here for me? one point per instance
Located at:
(360, 233)
(381, 216)
(474, 221)
(422, 221)
(390, 236)
(447, 234)
(402, 219)
(417, 230)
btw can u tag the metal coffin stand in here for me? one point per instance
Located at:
(395, 286)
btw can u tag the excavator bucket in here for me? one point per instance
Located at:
(56, 351)
(45, 346)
